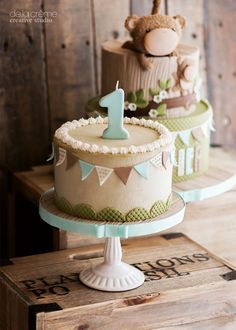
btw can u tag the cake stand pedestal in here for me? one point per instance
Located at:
(112, 274)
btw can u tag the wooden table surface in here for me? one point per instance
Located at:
(211, 222)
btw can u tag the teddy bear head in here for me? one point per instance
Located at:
(156, 35)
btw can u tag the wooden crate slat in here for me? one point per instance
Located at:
(24, 118)
(184, 284)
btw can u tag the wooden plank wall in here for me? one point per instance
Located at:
(49, 71)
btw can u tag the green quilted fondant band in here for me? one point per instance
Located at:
(86, 211)
(110, 214)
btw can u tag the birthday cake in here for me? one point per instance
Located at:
(161, 81)
(115, 180)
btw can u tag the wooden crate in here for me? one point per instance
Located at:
(186, 287)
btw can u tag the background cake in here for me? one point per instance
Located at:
(167, 90)
(113, 180)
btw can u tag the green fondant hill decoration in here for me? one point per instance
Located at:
(86, 211)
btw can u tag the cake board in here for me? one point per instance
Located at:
(219, 178)
(112, 274)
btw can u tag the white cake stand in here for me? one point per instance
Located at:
(112, 274)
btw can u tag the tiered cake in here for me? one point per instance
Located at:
(165, 88)
(113, 180)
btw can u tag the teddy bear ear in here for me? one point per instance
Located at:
(131, 22)
(181, 20)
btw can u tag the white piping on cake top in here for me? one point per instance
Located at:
(163, 140)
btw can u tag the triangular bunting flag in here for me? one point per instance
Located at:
(174, 135)
(142, 169)
(123, 173)
(61, 157)
(165, 158)
(157, 160)
(86, 169)
(70, 160)
(51, 156)
(197, 134)
(103, 173)
(184, 135)
(173, 159)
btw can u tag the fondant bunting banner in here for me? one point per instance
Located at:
(161, 160)
(71, 160)
(173, 159)
(197, 133)
(103, 173)
(165, 159)
(61, 157)
(142, 169)
(185, 135)
(157, 160)
(86, 169)
(123, 173)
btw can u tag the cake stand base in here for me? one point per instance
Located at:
(112, 274)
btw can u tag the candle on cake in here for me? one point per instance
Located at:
(115, 104)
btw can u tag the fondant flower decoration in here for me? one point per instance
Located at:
(126, 104)
(163, 94)
(132, 107)
(153, 113)
(157, 98)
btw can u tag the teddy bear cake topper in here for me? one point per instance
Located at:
(154, 35)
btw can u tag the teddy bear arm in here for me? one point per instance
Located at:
(145, 63)
(129, 45)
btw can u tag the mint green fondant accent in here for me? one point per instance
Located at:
(110, 214)
(158, 208)
(115, 104)
(161, 109)
(63, 204)
(143, 169)
(86, 169)
(185, 136)
(137, 214)
(84, 211)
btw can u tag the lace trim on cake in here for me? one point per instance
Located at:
(62, 134)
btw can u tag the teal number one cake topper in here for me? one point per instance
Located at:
(115, 104)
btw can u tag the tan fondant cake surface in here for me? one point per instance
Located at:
(113, 180)
(92, 134)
